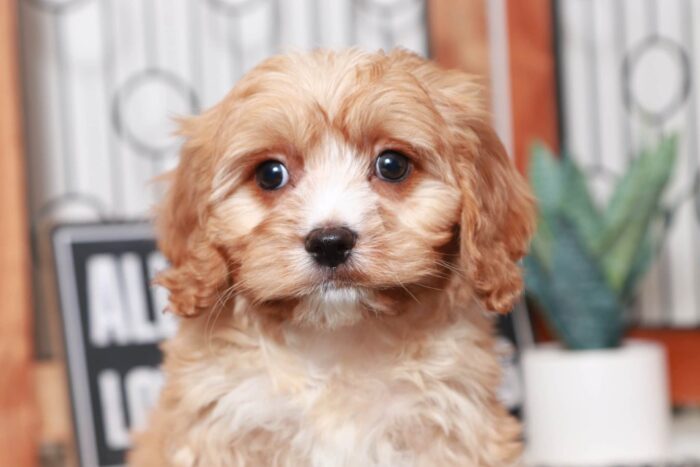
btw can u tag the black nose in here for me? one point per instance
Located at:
(330, 246)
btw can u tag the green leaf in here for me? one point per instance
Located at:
(575, 297)
(649, 250)
(547, 184)
(578, 206)
(538, 285)
(631, 211)
(653, 164)
(545, 178)
(584, 266)
(541, 244)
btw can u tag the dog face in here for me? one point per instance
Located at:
(331, 186)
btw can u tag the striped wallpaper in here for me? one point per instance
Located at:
(628, 74)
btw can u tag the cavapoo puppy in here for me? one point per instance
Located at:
(338, 228)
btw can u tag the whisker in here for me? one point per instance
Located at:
(215, 314)
(406, 289)
(451, 267)
(424, 286)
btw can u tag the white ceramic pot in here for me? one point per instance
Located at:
(596, 407)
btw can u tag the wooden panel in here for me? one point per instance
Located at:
(17, 405)
(53, 404)
(533, 76)
(459, 36)
(683, 348)
(460, 39)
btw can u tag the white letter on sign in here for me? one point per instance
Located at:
(142, 329)
(105, 305)
(116, 431)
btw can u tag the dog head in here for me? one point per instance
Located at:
(328, 186)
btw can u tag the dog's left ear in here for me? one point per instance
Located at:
(498, 209)
(497, 219)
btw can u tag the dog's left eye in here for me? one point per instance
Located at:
(392, 166)
(271, 175)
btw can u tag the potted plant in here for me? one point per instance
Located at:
(595, 398)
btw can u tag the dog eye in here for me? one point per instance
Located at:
(271, 175)
(392, 166)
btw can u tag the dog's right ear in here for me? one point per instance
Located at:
(198, 273)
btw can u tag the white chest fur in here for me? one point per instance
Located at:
(361, 396)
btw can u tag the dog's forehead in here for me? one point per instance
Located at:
(324, 79)
(297, 100)
(332, 83)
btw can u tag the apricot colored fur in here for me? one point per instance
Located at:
(387, 361)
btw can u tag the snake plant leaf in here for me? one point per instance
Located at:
(541, 244)
(547, 183)
(545, 177)
(584, 265)
(649, 250)
(656, 160)
(638, 180)
(632, 209)
(578, 206)
(575, 297)
(538, 286)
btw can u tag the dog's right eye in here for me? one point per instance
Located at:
(271, 175)
(392, 166)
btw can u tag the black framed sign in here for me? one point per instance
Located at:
(113, 321)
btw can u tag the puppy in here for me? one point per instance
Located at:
(337, 228)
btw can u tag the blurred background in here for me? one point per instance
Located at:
(89, 89)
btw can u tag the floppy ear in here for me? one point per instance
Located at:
(198, 274)
(497, 220)
(498, 209)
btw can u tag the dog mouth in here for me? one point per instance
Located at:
(342, 276)
(343, 281)
(335, 284)
(328, 282)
